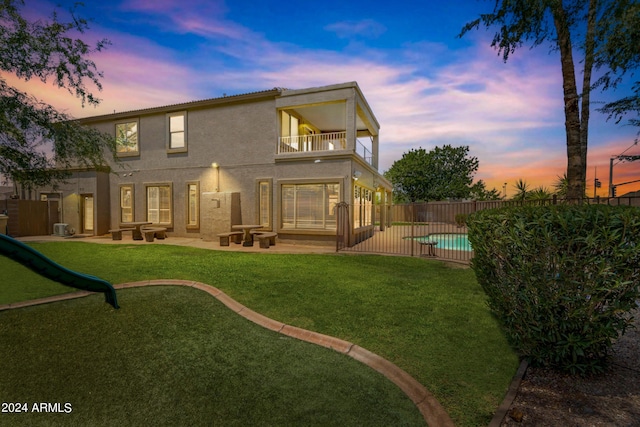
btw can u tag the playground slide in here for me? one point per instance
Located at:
(42, 265)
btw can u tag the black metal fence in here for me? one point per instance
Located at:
(433, 229)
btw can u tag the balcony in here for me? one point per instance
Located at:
(322, 142)
(363, 151)
(312, 143)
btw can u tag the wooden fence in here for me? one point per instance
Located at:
(30, 217)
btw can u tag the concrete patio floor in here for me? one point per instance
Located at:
(195, 242)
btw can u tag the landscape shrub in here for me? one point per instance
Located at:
(461, 219)
(562, 280)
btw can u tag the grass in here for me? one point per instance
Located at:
(171, 357)
(20, 283)
(428, 318)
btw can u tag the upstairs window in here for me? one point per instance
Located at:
(289, 131)
(127, 138)
(177, 132)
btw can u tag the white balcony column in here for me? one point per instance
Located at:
(374, 151)
(352, 131)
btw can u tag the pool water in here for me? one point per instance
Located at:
(449, 241)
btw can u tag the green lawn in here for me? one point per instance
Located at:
(429, 319)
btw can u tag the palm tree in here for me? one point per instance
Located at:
(522, 190)
(561, 186)
(540, 193)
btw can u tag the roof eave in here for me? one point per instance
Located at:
(246, 97)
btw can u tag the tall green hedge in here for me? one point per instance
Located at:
(561, 279)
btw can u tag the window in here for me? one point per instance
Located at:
(193, 205)
(177, 132)
(289, 132)
(264, 203)
(290, 125)
(362, 207)
(87, 213)
(159, 204)
(309, 206)
(127, 138)
(126, 203)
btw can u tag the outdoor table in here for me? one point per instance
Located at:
(136, 233)
(248, 238)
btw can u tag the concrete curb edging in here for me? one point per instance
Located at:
(501, 413)
(431, 410)
(46, 300)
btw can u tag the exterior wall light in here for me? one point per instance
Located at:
(356, 175)
(217, 168)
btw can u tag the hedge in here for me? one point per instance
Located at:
(563, 280)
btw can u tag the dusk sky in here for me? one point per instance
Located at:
(426, 86)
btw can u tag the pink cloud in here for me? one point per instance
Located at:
(474, 100)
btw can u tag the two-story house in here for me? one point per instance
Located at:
(279, 158)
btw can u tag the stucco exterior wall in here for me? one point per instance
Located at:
(240, 135)
(241, 138)
(70, 194)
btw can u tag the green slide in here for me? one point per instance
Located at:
(42, 265)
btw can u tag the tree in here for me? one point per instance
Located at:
(540, 193)
(560, 186)
(586, 25)
(522, 190)
(479, 192)
(621, 54)
(37, 142)
(442, 173)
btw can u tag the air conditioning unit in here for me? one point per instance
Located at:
(60, 229)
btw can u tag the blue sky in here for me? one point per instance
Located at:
(426, 86)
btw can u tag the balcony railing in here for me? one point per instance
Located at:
(322, 142)
(364, 152)
(317, 142)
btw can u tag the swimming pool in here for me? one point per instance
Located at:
(448, 241)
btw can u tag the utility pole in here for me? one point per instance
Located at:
(622, 158)
(611, 176)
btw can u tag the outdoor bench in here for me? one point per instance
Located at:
(151, 232)
(116, 234)
(430, 246)
(225, 238)
(266, 239)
